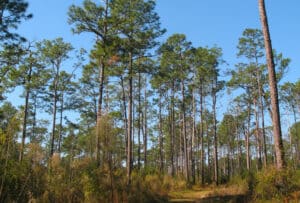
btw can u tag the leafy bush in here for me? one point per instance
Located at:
(274, 184)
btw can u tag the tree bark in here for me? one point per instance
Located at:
(145, 128)
(185, 140)
(124, 112)
(129, 139)
(193, 167)
(279, 151)
(55, 98)
(161, 157)
(172, 129)
(60, 121)
(139, 121)
(202, 132)
(24, 131)
(99, 109)
(216, 167)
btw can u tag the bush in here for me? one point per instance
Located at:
(274, 184)
(146, 189)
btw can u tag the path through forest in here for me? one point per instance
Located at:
(232, 194)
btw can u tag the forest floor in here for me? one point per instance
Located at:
(224, 193)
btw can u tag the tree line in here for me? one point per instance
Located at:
(142, 107)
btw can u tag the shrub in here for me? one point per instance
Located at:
(274, 184)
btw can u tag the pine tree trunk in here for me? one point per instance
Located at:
(247, 140)
(161, 159)
(99, 109)
(172, 130)
(193, 139)
(60, 122)
(129, 140)
(185, 140)
(139, 121)
(216, 167)
(258, 139)
(279, 151)
(202, 133)
(24, 131)
(145, 127)
(55, 98)
(124, 113)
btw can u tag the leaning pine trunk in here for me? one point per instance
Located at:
(279, 152)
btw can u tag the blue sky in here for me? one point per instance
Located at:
(204, 22)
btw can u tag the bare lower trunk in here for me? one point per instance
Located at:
(172, 131)
(99, 109)
(216, 167)
(145, 128)
(53, 122)
(185, 140)
(202, 134)
(60, 123)
(161, 160)
(24, 131)
(129, 140)
(258, 138)
(193, 140)
(124, 113)
(279, 151)
(139, 121)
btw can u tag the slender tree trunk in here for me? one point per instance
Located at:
(55, 98)
(209, 165)
(216, 167)
(202, 132)
(124, 113)
(34, 115)
(24, 130)
(99, 109)
(247, 140)
(297, 154)
(279, 151)
(193, 139)
(172, 129)
(145, 126)
(139, 120)
(263, 126)
(239, 148)
(264, 132)
(161, 159)
(185, 140)
(258, 139)
(60, 122)
(101, 87)
(129, 140)
(261, 106)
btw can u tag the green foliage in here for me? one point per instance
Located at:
(11, 15)
(276, 184)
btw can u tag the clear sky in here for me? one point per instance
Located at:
(204, 22)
